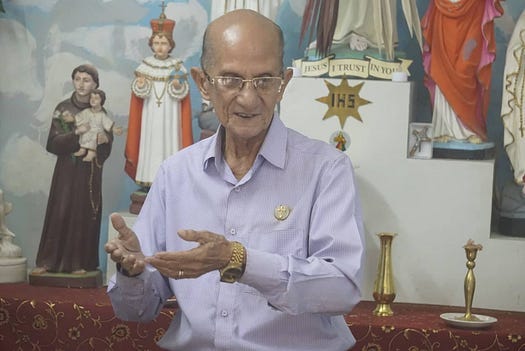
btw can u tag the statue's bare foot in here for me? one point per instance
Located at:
(443, 139)
(39, 270)
(80, 152)
(474, 139)
(358, 42)
(79, 272)
(89, 157)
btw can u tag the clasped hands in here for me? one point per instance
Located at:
(212, 252)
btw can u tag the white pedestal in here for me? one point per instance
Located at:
(434, 205)
(13, 270)
(129, 218)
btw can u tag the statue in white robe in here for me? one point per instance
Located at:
(160, 110)
(512, 102)
(361, 24)
(13, 267)
(160, 134)
(268, 8)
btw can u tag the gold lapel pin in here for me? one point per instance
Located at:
(282, 212)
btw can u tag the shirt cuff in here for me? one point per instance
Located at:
(265, 272)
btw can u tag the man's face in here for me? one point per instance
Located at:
(83, 84)
(246, 114)
(161, 47)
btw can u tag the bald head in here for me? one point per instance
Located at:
(235, 27)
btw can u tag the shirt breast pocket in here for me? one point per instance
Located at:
(284, 242)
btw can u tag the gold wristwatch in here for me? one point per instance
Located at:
(233, 271)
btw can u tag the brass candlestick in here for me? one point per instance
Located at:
(384, 291)
(471, 250)
(469, 320)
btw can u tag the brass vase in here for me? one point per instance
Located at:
(384, 291)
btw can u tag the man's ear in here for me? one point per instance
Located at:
(200, 80)
(288, 73)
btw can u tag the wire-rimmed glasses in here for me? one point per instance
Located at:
(263, 85)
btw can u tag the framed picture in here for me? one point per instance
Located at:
(420, 137)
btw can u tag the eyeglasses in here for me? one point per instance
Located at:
(263, 85)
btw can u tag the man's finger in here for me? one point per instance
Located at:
(109, 247)
(120, 226)
(202, 237)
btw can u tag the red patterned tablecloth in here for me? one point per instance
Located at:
(59, 319)
(418, 327)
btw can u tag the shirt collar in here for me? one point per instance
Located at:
(273, 148)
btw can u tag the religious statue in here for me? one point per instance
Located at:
(208, 121)
(13, 266)
(512, 102)
(70, 235)
(512, 197)
(91, 121)
(458, 54)
(358, 24)
(268, 8)
(160, 110)
(7, 248)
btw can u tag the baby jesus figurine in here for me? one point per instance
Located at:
(90, 122)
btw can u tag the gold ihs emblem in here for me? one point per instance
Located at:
(343, 101)
(281, 212)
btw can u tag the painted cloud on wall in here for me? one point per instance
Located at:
(21, 177)
(18, 54)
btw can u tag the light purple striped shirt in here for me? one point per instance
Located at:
(302, 274)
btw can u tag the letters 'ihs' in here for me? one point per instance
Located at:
(343, 101)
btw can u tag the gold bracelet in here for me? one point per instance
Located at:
(234, 270)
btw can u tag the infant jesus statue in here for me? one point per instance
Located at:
(90, 122)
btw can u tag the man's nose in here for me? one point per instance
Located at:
(249, 83)
(248, 91)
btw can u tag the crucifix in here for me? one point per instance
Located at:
(163, 6)
(421, 137)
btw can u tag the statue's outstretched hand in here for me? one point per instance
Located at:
(125, 248)
(176, 84)
(141, 82)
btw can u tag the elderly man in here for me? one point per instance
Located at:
(256, 230)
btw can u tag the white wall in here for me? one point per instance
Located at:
(434, 205)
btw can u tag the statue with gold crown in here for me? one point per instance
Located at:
(160, 111)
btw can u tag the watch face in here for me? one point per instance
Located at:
(231, 274)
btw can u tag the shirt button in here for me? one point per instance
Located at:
(237, 189)
(224, 313)
(233, 231)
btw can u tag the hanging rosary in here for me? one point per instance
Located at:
(159, 98)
